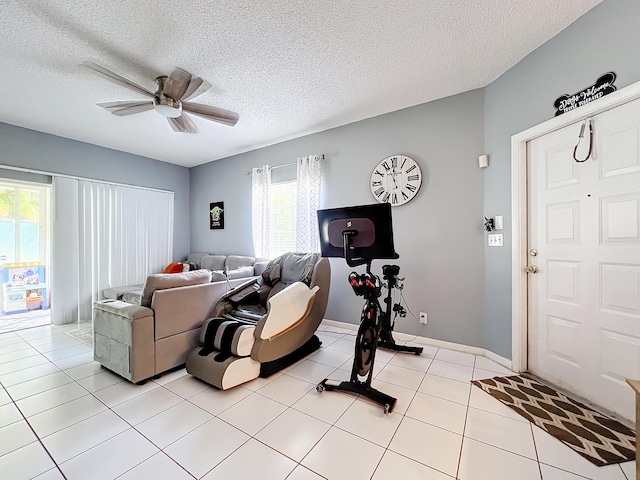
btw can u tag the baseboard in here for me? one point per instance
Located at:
(334, 323)
(505, 362)
(406, 337)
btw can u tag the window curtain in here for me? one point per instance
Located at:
(308, 203)
(261, 210)
(109, 235)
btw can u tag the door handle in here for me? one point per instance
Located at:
(531, 269)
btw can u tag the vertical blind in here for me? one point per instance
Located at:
(105, 235)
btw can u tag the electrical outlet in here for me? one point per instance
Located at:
(423, 318)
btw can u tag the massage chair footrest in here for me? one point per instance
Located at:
(221, 370)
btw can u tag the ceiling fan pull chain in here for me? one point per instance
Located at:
(580, 137)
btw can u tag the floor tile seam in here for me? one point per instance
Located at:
(385, 447)
(153, 455)
(311, 450)
(25, 347)
(71, 424)
(443, 398)
(149, 418)
(38, 439)
(93, 446)
(440, 426)
(220, 412)
(217, 464)
(298, 463)
(564, 469)
(419, 462)
(322, 420)
(49, 389)
(98, 444)
(448, 378)
(499, 414)
(21, 358)
(535, 449)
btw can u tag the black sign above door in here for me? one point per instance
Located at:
(603, 86)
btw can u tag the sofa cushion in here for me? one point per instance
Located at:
(242, 272)
(134, 297)
(196, 257)
(213, 262)
(163, 281)
(236, 261)
(116, 293)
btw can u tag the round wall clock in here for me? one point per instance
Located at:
(395, 180)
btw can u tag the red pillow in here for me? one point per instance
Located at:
(174, 268)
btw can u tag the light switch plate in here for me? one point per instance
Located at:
(495, 240)
(499, 222)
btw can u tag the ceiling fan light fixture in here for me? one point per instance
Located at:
(167, 106)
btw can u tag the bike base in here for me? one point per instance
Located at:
(387, 401)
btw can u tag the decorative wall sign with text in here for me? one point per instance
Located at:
(603, 86)
(216, 215)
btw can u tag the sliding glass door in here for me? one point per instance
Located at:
(24, 246)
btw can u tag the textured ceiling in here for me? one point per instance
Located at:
(289, 68)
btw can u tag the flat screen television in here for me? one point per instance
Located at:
(369, 231)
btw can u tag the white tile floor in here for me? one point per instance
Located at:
(64, 416)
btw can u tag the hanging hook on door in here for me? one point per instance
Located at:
(580, 137)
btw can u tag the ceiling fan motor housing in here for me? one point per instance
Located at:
(164, 104)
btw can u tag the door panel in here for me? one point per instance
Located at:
(584, 221)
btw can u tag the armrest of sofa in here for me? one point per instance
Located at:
(123, 338)
(286, 309)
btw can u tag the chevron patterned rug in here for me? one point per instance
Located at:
(596, 437)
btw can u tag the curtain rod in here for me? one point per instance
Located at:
(286, 164)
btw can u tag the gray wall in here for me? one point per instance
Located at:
(40, 151)
(606, 39)
(438, 234)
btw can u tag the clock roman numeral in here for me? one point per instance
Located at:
(379, 191)
(394, 162)
(386, 166)
(412, 188)
(394, 198)
(378, 173)
(413, 177)
(385, 199)
(376, 183)
(403, 162)
(405, 196)
(412, 167)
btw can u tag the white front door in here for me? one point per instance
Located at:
(584, 230)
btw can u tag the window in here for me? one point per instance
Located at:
(23, 222)
(283, 217)
(283, 213)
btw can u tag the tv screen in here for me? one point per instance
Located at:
(371, 225)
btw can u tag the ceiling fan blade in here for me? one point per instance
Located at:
(114, 77)
(182, 124)
(115, 105)
(140, 107)
(177, 83)
(215, 114)
(197, 87)
(175, 126)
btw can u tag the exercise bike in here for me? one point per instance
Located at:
(357, 226)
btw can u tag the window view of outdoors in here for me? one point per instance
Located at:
(20, 213)
(283, 217)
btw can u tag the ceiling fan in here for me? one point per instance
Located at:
(170, 100)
